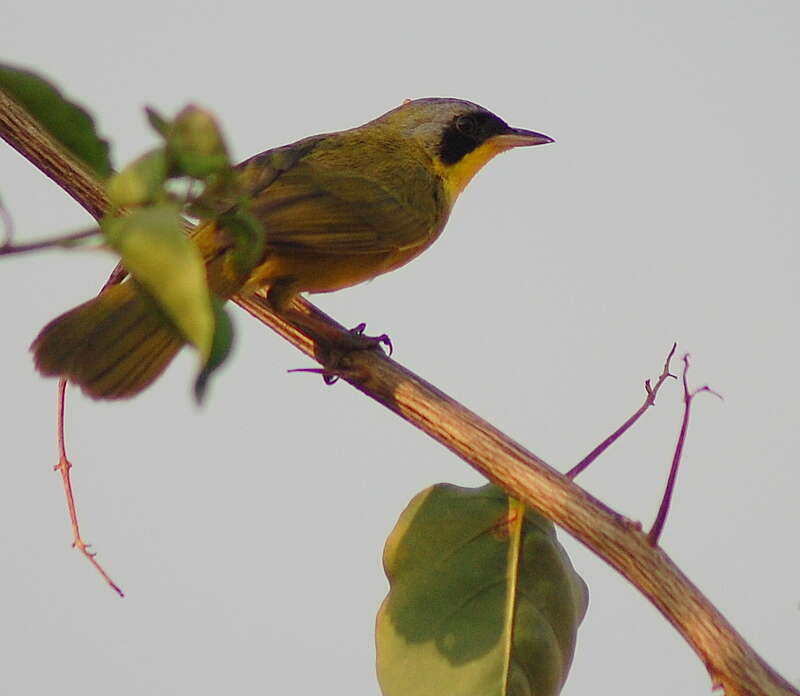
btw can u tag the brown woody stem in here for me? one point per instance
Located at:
(731, 662)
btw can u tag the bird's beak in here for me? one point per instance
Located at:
(519, 137)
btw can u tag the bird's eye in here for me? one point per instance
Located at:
(467, 125)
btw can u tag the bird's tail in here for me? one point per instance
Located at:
(112, 346)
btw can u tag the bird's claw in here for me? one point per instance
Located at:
(373, 341)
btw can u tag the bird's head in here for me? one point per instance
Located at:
(459, 136)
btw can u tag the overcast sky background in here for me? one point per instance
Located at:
(248, 534)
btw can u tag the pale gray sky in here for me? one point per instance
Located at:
(248, 534)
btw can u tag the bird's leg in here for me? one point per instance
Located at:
(333, 344)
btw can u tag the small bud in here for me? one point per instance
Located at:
(195, 141)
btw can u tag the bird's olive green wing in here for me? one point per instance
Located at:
(254, 175)
(339, 210)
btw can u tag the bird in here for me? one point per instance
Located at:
(337, 209)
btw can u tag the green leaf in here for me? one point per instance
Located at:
(67, 122)
(157, 253)
(249, 238)
(141, 182)
(220, 347)
(483, 599)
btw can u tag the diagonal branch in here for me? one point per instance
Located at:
(731, 662)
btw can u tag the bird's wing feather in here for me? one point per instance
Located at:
(254, 176)
(339, 212)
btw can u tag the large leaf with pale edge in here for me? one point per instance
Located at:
(483, 600)
(157, 253)
(67, 122)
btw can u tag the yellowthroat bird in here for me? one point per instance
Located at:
(337, 209)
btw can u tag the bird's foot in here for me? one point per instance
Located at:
(334, 352)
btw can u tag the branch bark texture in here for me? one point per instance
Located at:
(732, 664)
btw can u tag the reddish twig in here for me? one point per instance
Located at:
(8, 226)
(611, 439)
(64, 466)
(655, 531)
(64, 240)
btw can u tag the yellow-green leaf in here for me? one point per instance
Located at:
(157, 253)
(483, 600)
(67, 122)
(140, 182)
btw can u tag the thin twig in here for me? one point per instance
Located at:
(64, 466)
(731, 662)
(64, 240)
(8, 226)
(650, 399)
(663, 509)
